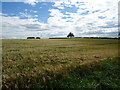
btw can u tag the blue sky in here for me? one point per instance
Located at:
(58, 18)
(16, 8)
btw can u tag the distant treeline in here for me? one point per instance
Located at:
(59, 38)
(88, 37)
(75, 37)
(99, 37)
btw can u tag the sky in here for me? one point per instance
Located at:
(56, 18)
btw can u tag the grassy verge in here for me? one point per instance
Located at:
(105, 74)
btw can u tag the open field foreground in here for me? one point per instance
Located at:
(34, 63)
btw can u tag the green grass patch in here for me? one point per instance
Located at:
(105, 74)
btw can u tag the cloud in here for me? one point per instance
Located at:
(95, 17)
(31, 2)
(26, 15)
(91, 18)
(20, 28)
(15, 28)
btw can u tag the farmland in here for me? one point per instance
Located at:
(32, 63)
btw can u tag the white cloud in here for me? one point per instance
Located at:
(20, 28)
(101, 20)
(15, 28)
(35, 11)
(91, 22)
(32, 2)
(22, 14)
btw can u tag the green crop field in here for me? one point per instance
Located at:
(33, 63)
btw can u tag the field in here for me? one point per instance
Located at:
(42, 63)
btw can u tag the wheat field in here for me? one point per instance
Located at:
(25, 61)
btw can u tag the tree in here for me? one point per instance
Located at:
(70, 35)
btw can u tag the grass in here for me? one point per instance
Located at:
(105, 74)
(26, 63)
